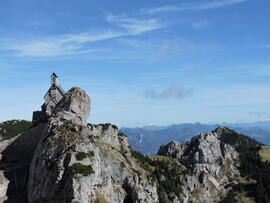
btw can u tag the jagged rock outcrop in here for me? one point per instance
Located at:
(72, 161)
(75, 107)
(212, 165)
(76, 162)
(173, 149)
(3, 187)
(231, 137)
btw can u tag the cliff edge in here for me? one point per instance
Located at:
(79, 162)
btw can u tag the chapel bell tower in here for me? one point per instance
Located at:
(54, 79)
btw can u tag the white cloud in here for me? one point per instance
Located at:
(72, 44)
(193, 6)
(87, 37)
(135, 26)
(39, 48)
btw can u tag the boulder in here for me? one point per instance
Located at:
(75, 107)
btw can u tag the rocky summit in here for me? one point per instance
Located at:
(63, 159)
(76, 162)
(212, 165)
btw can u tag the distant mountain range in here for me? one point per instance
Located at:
(148, 139)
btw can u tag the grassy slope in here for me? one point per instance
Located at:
(9, 129)
(166, 171)
(265, 153)
(255, 173)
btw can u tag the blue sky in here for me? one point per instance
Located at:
(142, 62)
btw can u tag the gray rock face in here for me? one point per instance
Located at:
(72, 161)
(173, 149)
(76, 162)
(211, 163)
(75, 107)
(3, 187)
(207, 148)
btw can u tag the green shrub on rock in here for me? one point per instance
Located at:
(82, 155)
(79, 168)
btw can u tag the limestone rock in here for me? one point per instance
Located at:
(173, 149)
(211, 163)
(75, 107)
(3, 187)
(76, 162)
(207, 148)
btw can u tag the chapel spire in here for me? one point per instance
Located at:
(51, 98)
(54, 79)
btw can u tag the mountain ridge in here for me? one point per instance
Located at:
(148, 141)
(182, 177)
(208, 154)
(69, 160)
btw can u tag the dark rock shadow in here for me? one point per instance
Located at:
(17, 158)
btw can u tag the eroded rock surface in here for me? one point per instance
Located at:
(72, 161)
(3, 187)
(211, 163)
(75, 107)
(76, 162)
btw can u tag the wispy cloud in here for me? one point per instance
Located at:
(172, 92)
(69, 44)
(72, 44)
(192, 6)
(201, 24)
(135, 26)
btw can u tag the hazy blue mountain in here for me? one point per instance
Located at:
(260, 124)
(258, 133)
(148, 139)
(154, 127)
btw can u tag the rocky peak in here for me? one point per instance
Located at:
(173, 149)
(204, 148)
(74, 107)
(75, 162)
(228, 136)
(223, 129)
(210, 161)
